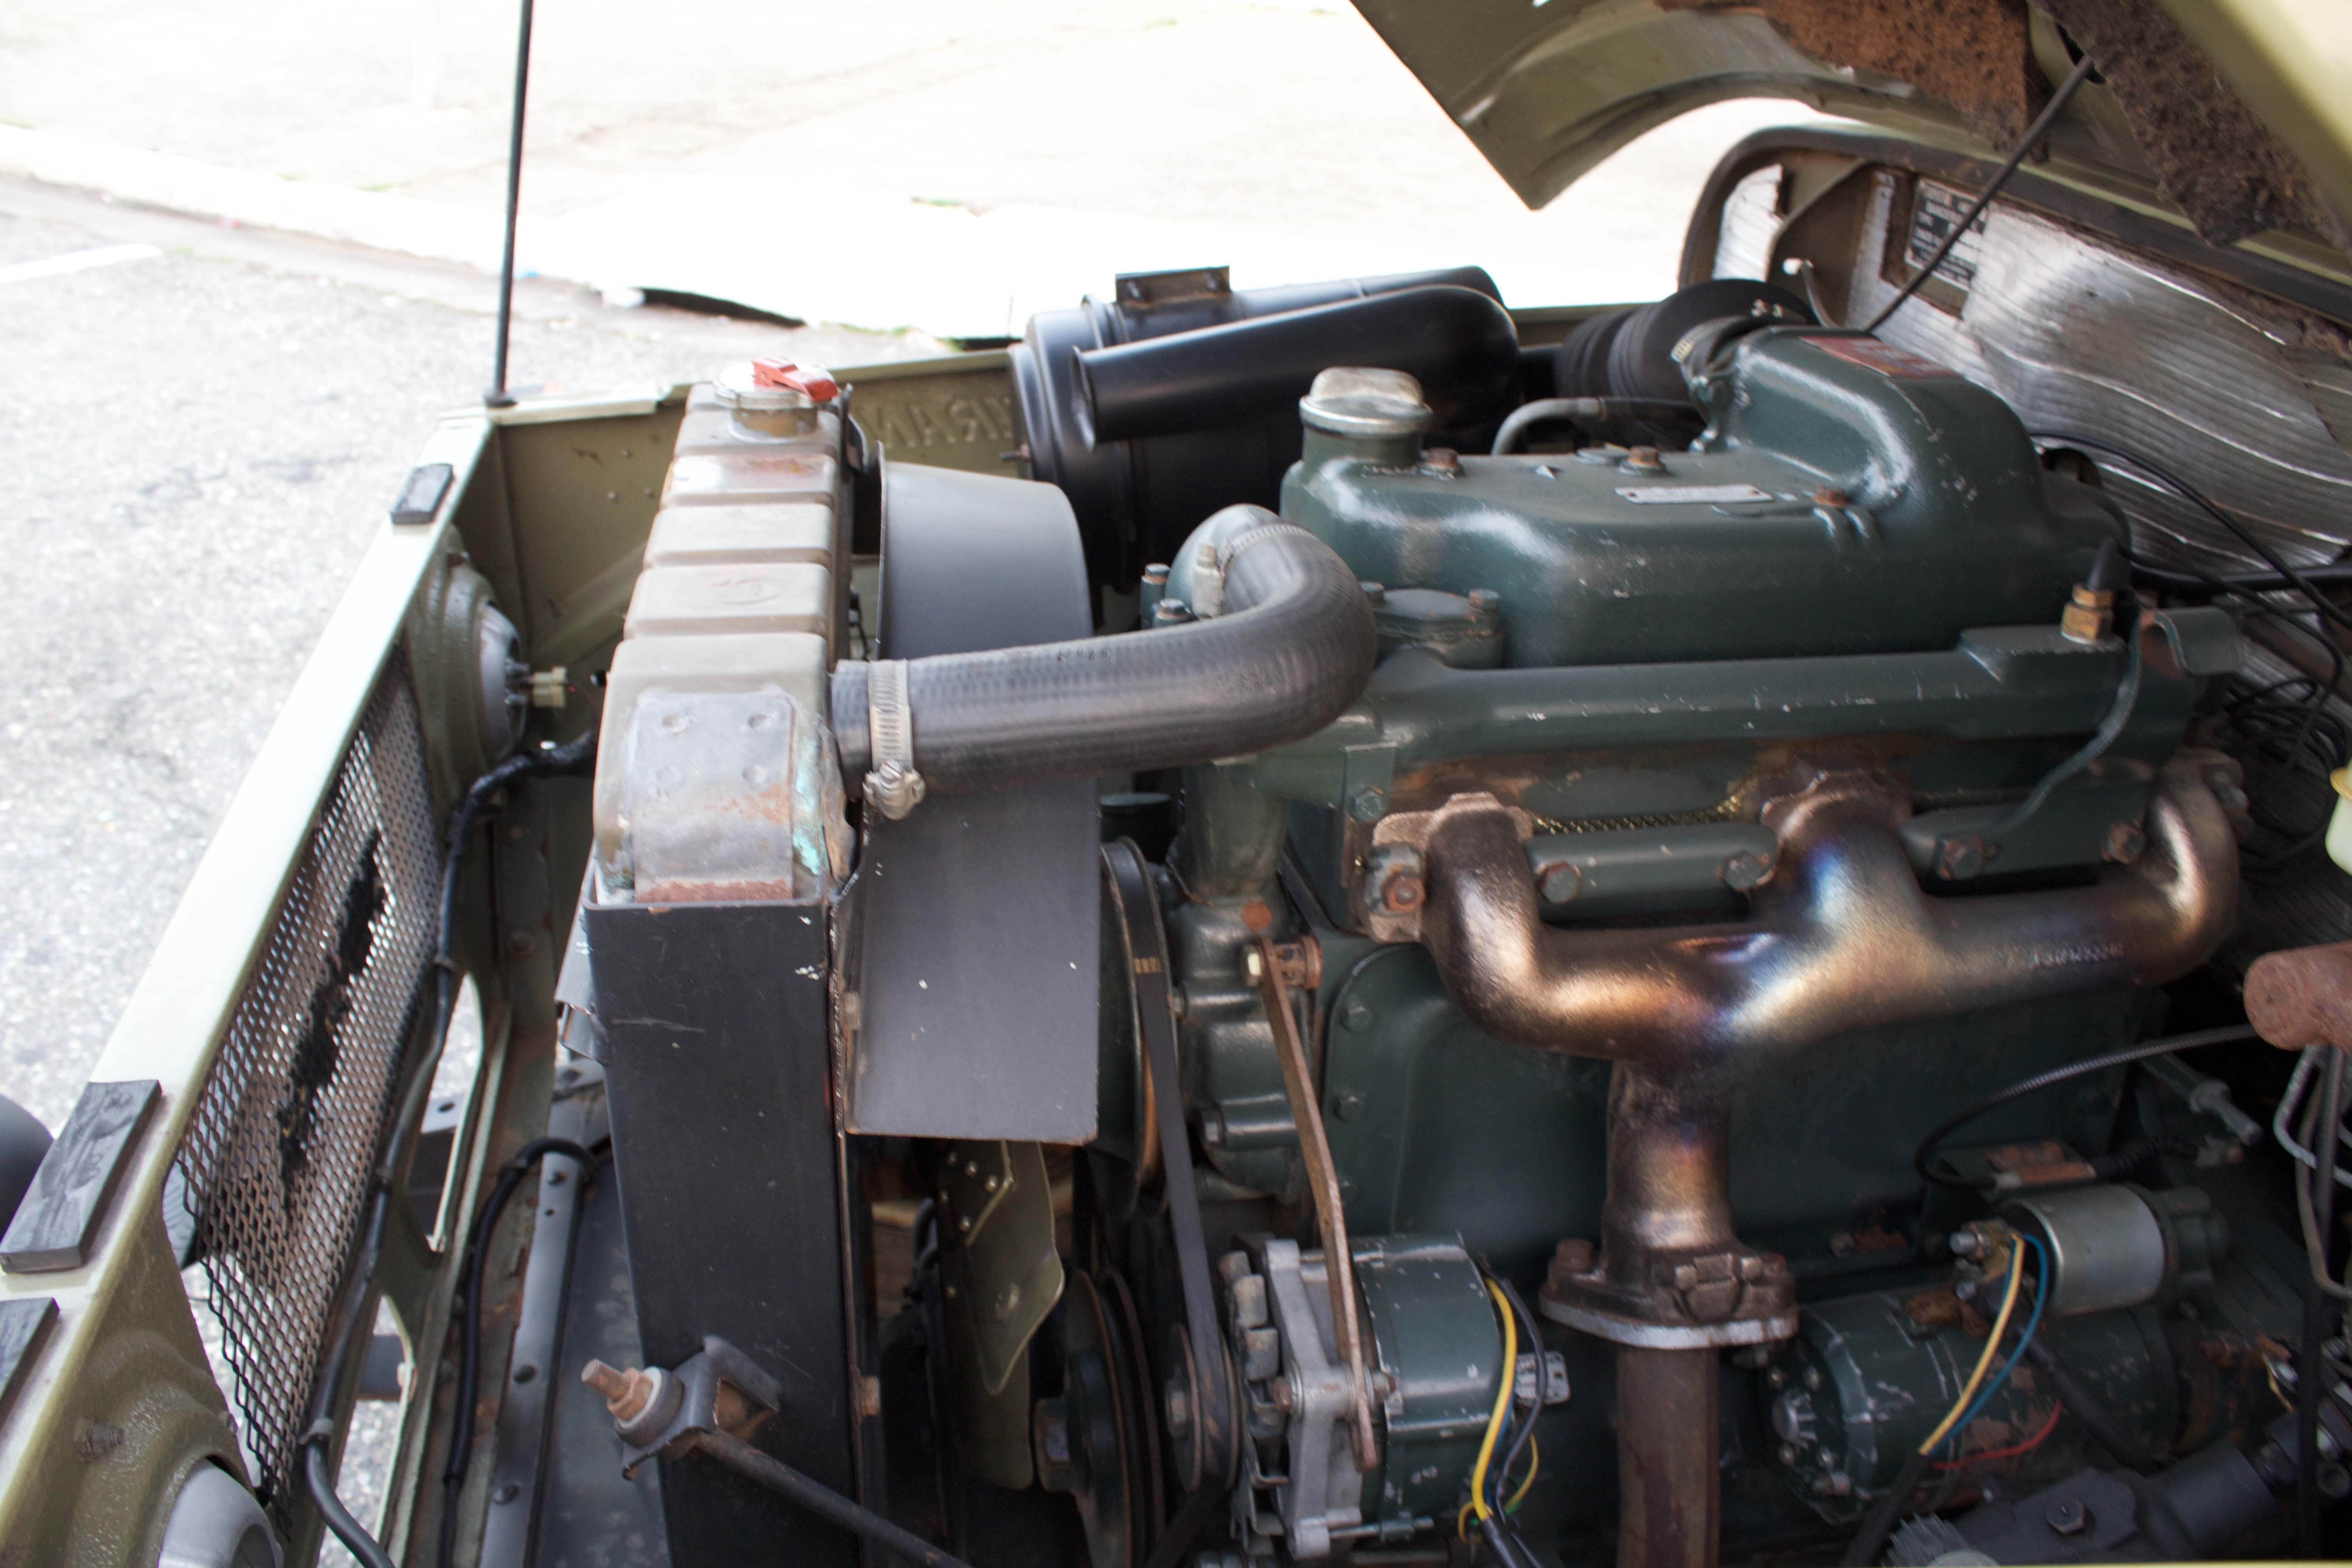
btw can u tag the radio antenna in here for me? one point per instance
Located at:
(499, 397)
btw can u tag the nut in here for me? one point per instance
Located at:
(626, 1392)
(2067, 1516)
(1560, 883)
(1574, 1256)
(1957, 859)
(1402, 892)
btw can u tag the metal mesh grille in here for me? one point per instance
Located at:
(278, 1153)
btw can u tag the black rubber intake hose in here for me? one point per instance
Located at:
(1458, 344)
(1293, 646)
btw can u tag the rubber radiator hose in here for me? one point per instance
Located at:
(1293, 646)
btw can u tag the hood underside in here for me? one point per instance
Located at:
(2234, 116)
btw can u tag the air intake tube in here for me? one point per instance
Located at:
(1458, 344)
(1292, 646)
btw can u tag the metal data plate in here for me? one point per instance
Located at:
(976, 946)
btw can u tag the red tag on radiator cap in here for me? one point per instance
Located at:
(807, 379)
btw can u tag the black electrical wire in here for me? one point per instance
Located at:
(347, 1530)
(1525, 1427)
(2111, 727)
(470, 1313)
(2310, 1367)
(2287, 723)
(343, 1324)
(2025, 144)
(2327, 608)
(2089, 1409)
(1879, 1522)
(2261, 714)
(1930, 1144)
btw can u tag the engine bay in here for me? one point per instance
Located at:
(1440, 936)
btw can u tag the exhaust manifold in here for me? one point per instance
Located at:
(1840, 937)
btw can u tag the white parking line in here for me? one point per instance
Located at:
(77, 261)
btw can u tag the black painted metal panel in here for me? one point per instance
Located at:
(978, 928)
(717, 1068)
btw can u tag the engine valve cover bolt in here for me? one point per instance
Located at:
(2125, 841)
(1441, 463)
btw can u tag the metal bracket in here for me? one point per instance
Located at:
(996, 1231)
(719, 1389)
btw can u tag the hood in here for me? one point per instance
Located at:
(2232, 116)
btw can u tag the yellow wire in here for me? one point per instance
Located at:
(1495, 1422)
(1534, 1462)
(1992, 1344)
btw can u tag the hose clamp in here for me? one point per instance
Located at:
(892, 787)
(1220, 558)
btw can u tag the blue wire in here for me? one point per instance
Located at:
(2034, 1321)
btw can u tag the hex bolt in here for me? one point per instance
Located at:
(1967, 1244)
(1367, 803)
(1743, 870)
(1357, 1016)
(1402, 893)
(1483, 600)
(1560, 883)
(2067, 1516)
(1957, 859)
(1789, 1453)
(626, 1389)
